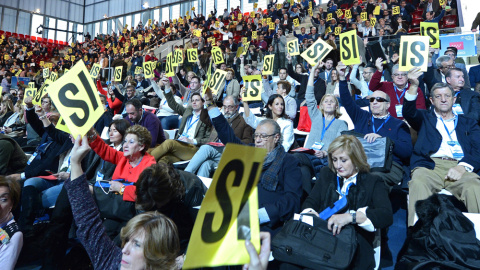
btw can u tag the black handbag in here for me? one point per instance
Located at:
(111, 205)
(379, 153)
(314, 246)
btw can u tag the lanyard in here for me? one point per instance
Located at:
(373, 124)
(190, 124)
(456, 94)
(188, 96)
(325, 129)
(340, 190)
(403, 93)
(316, 80)
(69, 168)
(446, 129)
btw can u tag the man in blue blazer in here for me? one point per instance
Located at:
(447, 150)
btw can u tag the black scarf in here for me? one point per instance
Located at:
(271, 167)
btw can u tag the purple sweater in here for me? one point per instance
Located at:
(103, 253)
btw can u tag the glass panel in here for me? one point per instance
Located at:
(165, 14)
(221, 6)
(128, 21)
(62, 35)
(136, 20)
(97, 30)
(9, 20)
(79, 29)
(51, 24)
(23, 26)
(104, 27)
(156, 15)
(36, 21)
(175, 11)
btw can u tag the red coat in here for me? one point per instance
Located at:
(388, 88)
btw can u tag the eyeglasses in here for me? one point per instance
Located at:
(449, 67)
(262, 136)
(230, 107)
(400, 74)
(378, 99)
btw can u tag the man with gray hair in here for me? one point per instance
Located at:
(395, 90)
(280, 185)
(207, 157)
(436, 75)
(446, 153)
(468, 101)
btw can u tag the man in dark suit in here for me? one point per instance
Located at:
(468, 101)
(436, 75)
(446, 153)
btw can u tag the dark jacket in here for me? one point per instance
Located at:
(12, 157)
(370, 191)
(394, 128)
(319, 84)
(429, 138)
(282, 203)
(241, 129)
(152, 123)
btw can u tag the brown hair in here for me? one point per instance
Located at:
(161, 243)
(353, 148)
(14, 190)
(157, 185)
(143, 135)
(286, 85)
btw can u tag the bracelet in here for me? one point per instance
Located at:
(92, 137)
(354, 216)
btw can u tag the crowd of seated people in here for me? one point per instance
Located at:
(129, 144)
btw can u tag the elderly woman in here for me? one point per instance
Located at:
(326, 127)
(130, 163)
(367, 207)
(11, 245)
(149, 240)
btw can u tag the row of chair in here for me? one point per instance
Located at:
(32, 38)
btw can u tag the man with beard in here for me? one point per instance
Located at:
(207, 157)
(136, 115)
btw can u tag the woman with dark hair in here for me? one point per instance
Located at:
(12, 237)
(347, 181)
(276, 111)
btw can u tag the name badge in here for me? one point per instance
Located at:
(456, 149)
(318, 146)
(398, 110)
(99, 176)
(32, 158)
(457, 108)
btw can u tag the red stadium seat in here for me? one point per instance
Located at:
(344, 6)
(8, 34)
(33, 38)
(449, 21)
(417, 15)
(50, 41)
(415, 23)
(414, 30)
(56, 42)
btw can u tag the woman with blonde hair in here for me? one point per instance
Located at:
(362, 196)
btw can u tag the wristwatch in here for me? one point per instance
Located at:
(122, 189)
(354, 216)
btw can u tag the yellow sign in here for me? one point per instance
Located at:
(310, 12)
(268, 64)
(413, 52)
(364, 16)
(72, 58)
(271, 26)
(252, 14)
(148, 69)
(132, 39)
(41, 63)
(46, 73)
(197, 32)
(30, 92)
(329, 16)
(69, 50)
(376, 11)
(245, 48)
(244, 40)
(169, 72)
(349, 53)
(430, 29)
(395, 10)
(338, 30)
(279, 6)
(339, 13)
(328, 30)
(121, 50)
(29, 53)
(292, 47)
(124, 30)
(255, 5)
(239, 16)
(65, 71)
(107, 46)
(217, 55)
(217, 80)
(31, 85)
(296, 22)
(53, 76)
(253, 88)
(135, 42)
(76, 99)
(239, 51)
(61, 125)
(149, 21)
(225, 210)
(95, 70)
(6, 57)
(18, 72)
(24, 49)
(37, 100)
(85, 58)
(179, 57)
(192, 55)
(348, 14)
(174, 21)
(373, 21)
(193, 8)
(442, 2)
(316, 52)
(117, 74)
(138, 70)
(254, 34)
(269, 20)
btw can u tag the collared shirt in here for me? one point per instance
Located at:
(191, 125)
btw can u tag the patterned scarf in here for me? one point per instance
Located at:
(271, 166)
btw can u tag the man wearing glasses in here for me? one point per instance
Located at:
(379, 123)
(395, 90)
(207, 157)
(280, 185)
(443, 63)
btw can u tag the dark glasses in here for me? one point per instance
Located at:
(379, 99)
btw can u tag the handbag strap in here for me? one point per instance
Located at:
(338, 205)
